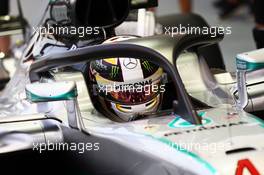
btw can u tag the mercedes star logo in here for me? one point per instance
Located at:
(130, 63)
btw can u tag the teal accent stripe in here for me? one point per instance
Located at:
(191, 154)
(184, 151)
(68, 96)
(171, 124)
(260, 121)
(249, 66)
(201, 114)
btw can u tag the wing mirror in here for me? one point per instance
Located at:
(57, 91)
(247, 62)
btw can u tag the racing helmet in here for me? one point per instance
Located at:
(127, 87)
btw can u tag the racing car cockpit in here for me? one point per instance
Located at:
(166, 48)
(157, 50)
(151, 61)
(103, 162)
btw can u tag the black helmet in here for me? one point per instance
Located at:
(126, 87)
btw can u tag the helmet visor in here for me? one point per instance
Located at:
(134, 95)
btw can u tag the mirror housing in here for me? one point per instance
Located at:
(250, 61)
(47, 92)
(247, 62)
(57, 91)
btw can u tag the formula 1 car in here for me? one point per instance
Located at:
(188, 137)
(218, 140)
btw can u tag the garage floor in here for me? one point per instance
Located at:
(239, 41)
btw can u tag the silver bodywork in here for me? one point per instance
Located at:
(198, 86)
(27, 131)
(226, 137)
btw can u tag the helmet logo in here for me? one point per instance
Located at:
(130, 63)
(114, 71)
(147, 65)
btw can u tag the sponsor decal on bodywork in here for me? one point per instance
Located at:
(246, 164)
(179, 122)
(203, 128)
